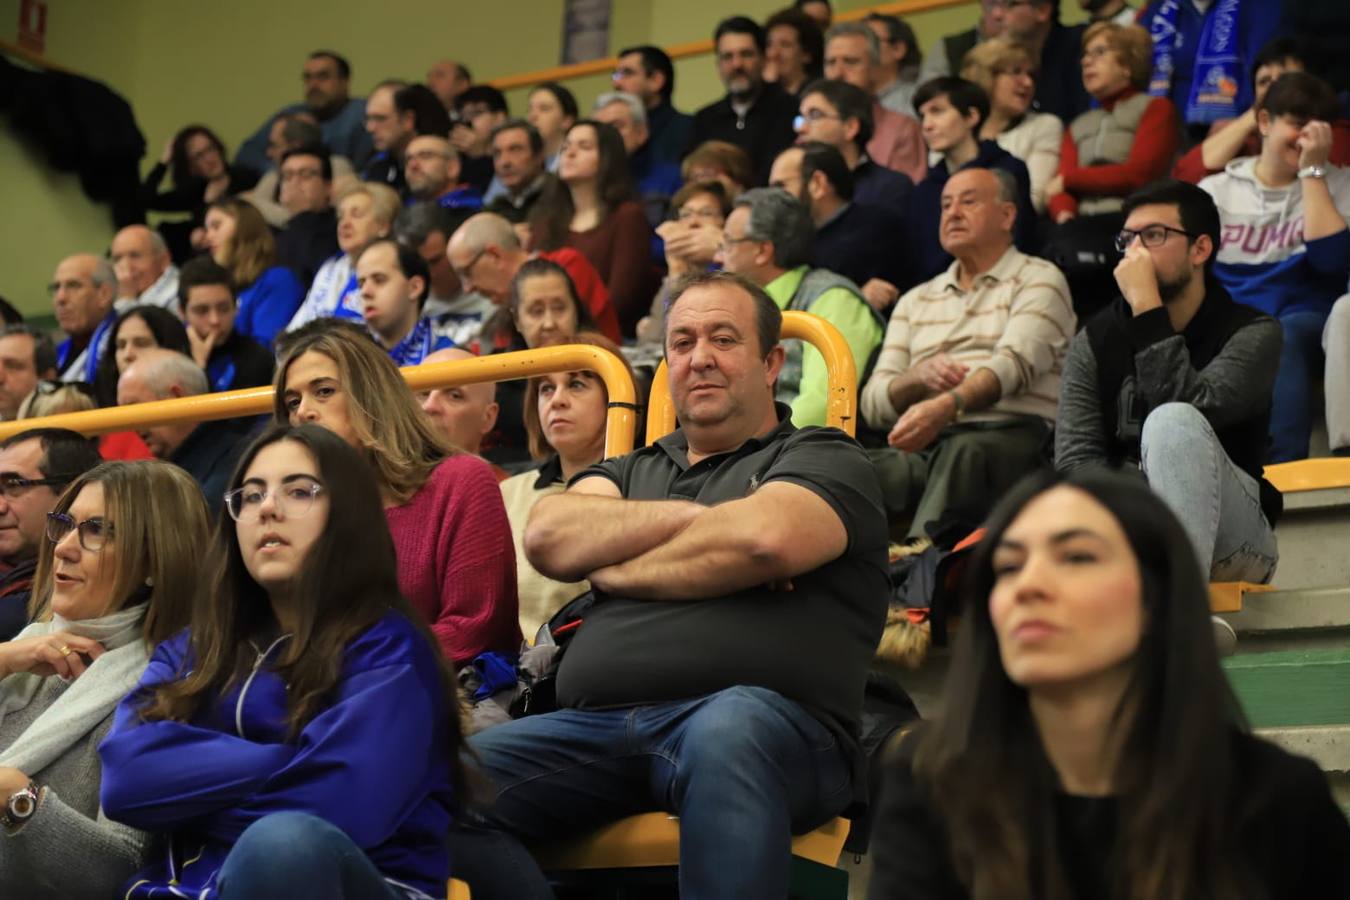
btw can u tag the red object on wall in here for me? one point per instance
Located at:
(32, 25)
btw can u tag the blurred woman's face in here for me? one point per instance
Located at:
(1013, 90)
(220, 235)
(357, 223)
(1067, 604)
(1104, 75)
(545, 314)
(572, 410)
(580, 159)
(204, 159)
(546, 114)
(133, 338)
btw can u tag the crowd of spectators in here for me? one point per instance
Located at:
(1113, 255)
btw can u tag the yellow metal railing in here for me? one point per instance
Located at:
(841, 411)
(701, 47)
(620, 424)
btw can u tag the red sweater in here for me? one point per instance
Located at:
(1192, 168)
(1155, 144)
(620, 249)
(456, 562)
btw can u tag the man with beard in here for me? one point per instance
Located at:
(326, 77)
(754, 115)
(1175, 379)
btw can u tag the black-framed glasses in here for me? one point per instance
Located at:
(47, 386)
(293, 499)
(94, 533)
(466, 273)
(1149, 236)
(15, 486)
(813, 116)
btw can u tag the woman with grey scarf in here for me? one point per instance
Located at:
(115, 576)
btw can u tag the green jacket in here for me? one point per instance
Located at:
(804, 383)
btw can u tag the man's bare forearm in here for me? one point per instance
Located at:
(905, 390)
(571, 535)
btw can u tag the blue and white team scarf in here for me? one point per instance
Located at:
(1218, 70)
(420, 343)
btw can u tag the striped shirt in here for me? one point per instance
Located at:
(1015, 320)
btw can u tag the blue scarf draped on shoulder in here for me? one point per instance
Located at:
(1218, 70)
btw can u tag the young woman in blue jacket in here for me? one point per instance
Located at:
(301, 739)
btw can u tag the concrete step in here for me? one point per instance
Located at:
(1313, 535)
(1293, 609)
(1327, 745)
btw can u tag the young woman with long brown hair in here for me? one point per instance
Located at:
(302, 738)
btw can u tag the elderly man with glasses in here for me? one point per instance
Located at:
(1175, 379)
(35, 466)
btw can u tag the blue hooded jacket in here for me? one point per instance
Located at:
(376, 763)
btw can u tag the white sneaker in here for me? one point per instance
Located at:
(1225, 638)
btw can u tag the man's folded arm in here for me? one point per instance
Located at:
(779, 532)
(591, 526)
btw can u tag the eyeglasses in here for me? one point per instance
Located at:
(300, 175)
(1096, 52)
(1017, 71)
(71, 285)
(1149, 236)
(294, 499)
(707, 215)
(15, 486)
(812, 116)
(466, 273)
(46, 387)
(624, 72)
(94, 533)
(732, 241)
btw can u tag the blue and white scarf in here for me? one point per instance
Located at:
(420, 343)
(1218, 70)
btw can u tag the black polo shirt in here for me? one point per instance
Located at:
(812, 644)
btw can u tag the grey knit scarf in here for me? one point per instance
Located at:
(88, 700)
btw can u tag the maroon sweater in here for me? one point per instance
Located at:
(620, 249)
(456, 562)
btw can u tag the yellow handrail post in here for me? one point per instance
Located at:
(620, 421)
(841, 410)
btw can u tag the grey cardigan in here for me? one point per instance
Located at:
(69, 849)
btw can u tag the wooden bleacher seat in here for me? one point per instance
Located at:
(650, 843)
(1301, 476)
(1321, 474)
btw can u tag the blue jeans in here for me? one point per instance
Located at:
(744, 769)
(1217, 503)
(1301, 362)
(297, 856)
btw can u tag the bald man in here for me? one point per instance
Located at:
(205, 450)
(431, 169)
(486, 254)
(145, 272)
(83, 290)
(464, 414)
(447, 80)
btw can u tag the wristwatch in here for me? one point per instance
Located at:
(21, 806)
(1313, 172)
(960, 404)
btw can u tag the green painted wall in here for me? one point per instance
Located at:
(230, 64)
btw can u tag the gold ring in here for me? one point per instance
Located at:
(65, 649)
